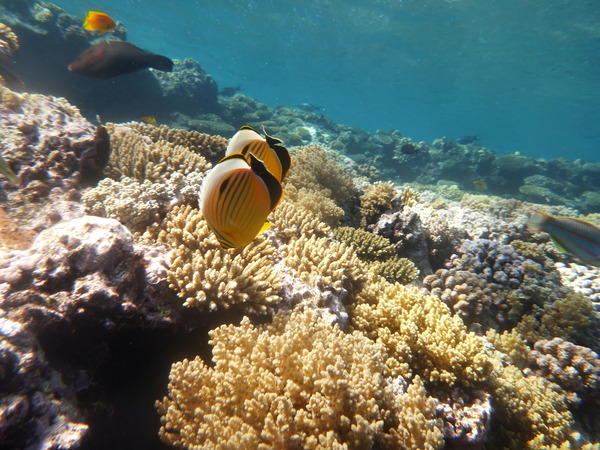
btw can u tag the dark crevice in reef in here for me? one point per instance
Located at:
(119, 372)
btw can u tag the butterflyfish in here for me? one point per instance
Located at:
(570, 235)
(269, 150)
(99, 21)
(110, 59)
(236, 197)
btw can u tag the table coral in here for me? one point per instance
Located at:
(296, 383)
(207, 276)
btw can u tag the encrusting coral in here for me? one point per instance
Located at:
(296, 383)
(207, 276)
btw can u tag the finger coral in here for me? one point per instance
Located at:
(296, 383)
(369, 246)
(207, 276)
(292, 220)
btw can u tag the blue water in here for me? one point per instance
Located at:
(524, 75)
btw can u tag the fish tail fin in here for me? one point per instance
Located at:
(537, 221)
(163, 63)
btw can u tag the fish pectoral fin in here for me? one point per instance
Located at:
(558, 245)
(265, 227)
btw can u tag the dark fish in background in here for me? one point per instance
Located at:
(464, 140)
(110, 59)
(229, 91)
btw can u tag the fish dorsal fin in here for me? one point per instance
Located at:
(233, 156)
(247, 127)
(273, 185)
(282, 153)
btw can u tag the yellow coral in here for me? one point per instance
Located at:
(398, 270)
(316, 169)
(211, 147)
(297, 383)
(324, 262)
(137, 157)
(369, 246)
(376, 199)
(421, 334)
(291, 220)
(512, 344)
(208, 276)
(324, 208)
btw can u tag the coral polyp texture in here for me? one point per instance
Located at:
(9, 42)
(297, 382)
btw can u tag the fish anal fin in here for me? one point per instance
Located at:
(265, 227)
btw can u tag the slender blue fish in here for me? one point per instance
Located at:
(570, 235)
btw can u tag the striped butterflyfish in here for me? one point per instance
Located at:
(236, 198)
(269, 150)
(570, 235)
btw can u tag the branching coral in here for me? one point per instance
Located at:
(369, 246)
(325, 263)
(315, 169)
(211, 147)
(322, 207)
(140, 158)
(9, 42)
(421, 334)
(397, 270)
(376, 199)
(297, 383)
(207, 276)
(291, 220)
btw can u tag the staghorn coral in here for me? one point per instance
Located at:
(296, 383)
(138, 157)
(575, 369)
(210, 147)
(326, 263)
(421, 334)
(314, 168)
(207, 276)
(376, 199)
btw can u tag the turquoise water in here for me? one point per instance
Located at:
(524, 75)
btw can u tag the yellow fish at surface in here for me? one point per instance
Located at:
(236, 198)
(99, 21)
(269, 150)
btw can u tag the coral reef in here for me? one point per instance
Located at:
(575, 369)
(324, 388)
(207, 276)
(376, 199)
(48, 145)
(9, 42)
